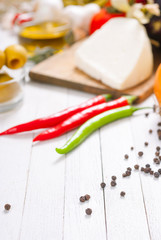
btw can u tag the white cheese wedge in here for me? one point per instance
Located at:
(119, 54)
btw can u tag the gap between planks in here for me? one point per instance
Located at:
(104, 197)
(141, 187)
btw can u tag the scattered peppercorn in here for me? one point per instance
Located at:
(156, 174)
(7, 207)
(154, 108)
(158, 148)
(155, 160)
(142, 169)
(103, 185)
(147, 170)
(136, 166)
(87, 196)
(146, 143)
(147, 165)
(159, 133)
(159, 171)
(128, 173)
(151, 172)
(88, 211)
(132, 148)
(158, 161)
(113, 183)
(126, 156)
(150, 131)
(114, 178)
(146, 114)
(157, 154)
(124, 175)
(159, 124)
(129, 169)
(122, 194)
(82, 199)
(140, 154)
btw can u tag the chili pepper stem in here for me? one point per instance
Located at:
(141, 108)
(107, 97)
(130, 98)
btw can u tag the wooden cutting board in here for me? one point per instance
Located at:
(60, 70)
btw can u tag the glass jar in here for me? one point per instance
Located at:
(101, 3)
(42, 34)
(11, 88)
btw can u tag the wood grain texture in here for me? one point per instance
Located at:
(150, 185)
(83, 176)
(15, 153)
(43, 187)
(126, 217)
(45, 191)
(60, 70)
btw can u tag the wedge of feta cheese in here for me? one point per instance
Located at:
(119, 54)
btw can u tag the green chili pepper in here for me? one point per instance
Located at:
(93, 124)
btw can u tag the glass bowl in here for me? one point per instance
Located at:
(11, 88)
(41, 34)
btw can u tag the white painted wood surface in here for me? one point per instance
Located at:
(43, 188)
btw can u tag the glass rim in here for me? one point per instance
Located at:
(67, 25)
(14, 79)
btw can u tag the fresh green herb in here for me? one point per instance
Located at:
(112, 10)
(42, 54)
(131, 2)
(69, 38)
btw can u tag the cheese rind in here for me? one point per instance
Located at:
(119, 54)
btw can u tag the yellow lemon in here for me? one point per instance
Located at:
(16, 56)
(2, 59)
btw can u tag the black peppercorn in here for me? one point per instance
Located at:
(88, 211)
(122, 194)
(103, 185)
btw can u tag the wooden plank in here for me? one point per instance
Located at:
(44, 202)
(151, 186)
(83, 176)
(126, 217)
(60, 70)
(15, 154)
(14, 158)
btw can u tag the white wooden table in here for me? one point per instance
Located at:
(43, 187)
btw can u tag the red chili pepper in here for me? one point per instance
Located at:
(50, 121)
(101, 18)
(81, 117)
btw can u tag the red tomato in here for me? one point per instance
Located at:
(101, 18)
(141, 1)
